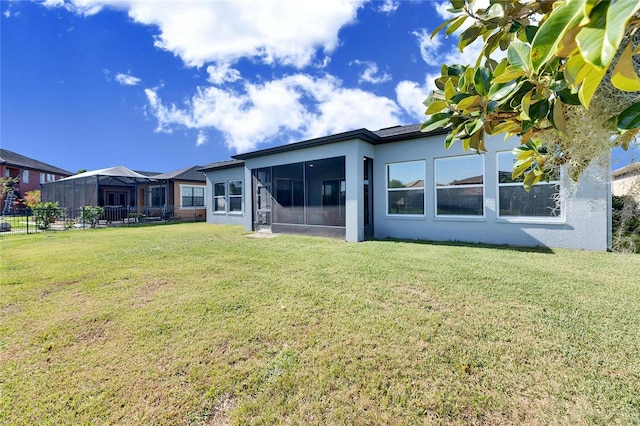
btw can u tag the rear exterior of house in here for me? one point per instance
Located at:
(401, 183)
(31, 173)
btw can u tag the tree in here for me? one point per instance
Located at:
(568, 86)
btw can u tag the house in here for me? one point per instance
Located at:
(30, 173)
(626, 181)
(402, 183)
(122, 191)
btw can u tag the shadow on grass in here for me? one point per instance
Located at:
(506, 247)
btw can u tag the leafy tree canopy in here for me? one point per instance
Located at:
(568, 85)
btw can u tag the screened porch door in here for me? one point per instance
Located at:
(262, 202)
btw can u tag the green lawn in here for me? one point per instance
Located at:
(201, 324)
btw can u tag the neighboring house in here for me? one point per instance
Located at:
(30, 173)
(402, 183)
(626, 181)
(184, 189)
(176, 194)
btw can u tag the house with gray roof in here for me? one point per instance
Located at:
(122, 191)
(402, 183)
(29, 172)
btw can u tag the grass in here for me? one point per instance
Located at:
(200, 324)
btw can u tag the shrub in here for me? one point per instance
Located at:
(32, 198)
(92, 215)
(45, 213)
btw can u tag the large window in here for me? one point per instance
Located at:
(405, 188)
(514, 201)
(192, 196)
(235, 196)
(219, 197)
(460, 186)
(227, 197)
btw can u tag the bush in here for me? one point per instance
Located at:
(92, 215)
(45, 214)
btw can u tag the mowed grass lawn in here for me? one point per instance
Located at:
(201, 324)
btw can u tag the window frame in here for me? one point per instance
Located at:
(559, 218)
(193, 196)
(230, 196)
(473, 185)
(223, 185)
(25, 176)
(389, 190)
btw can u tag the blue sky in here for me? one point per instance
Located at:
(163, 85)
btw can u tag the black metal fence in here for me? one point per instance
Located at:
(26, 222)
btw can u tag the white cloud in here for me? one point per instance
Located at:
(293, 108)
(389, 6)
(201, 139)
(410, 96)
(429, 46)
(127, 79)
(370, 73)
(270, 31)
(222, 73)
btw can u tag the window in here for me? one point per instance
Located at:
(157, 196)
(235, 196)
(192, 196)
(219, 197)
(42, 176)
(25, 176)
(460, 186)
(514, 201)
(405, 188)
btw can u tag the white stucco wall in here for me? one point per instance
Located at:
(584, 223)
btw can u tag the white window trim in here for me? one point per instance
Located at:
(215, 197)
(424, 191)
(25, 176)
(229, 196)
(560, 219)
(435, 192)
(204, 196)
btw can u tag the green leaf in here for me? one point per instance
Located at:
(545, 42)
(496, 10)
(558, 119)
(538, 110)
(474, 126)
(501, 91)
(469, 102)
(592, 38)
(618, 15)
(436, 121)
(481, 79)
(444, 24)
(468, 36)
(435, 107)
(518, 55)
(508, 75)
(453, 27)
(630, 117)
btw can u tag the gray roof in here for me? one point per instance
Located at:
(193, 173)
(10, 158)
(390, 134)
(386, 135)
(228, 164)
(628, 170)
